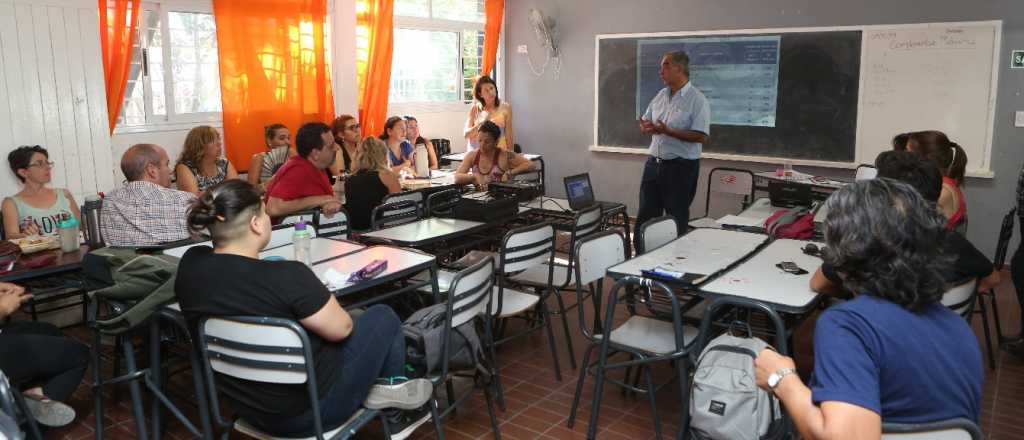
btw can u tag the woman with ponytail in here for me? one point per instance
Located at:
(357, 362)
(951, 160)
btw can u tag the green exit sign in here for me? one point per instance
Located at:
(1017, 59)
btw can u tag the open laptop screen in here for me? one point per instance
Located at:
(579, 191)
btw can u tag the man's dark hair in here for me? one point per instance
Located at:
(912, 169)
(310, 137)
(21, 157)
(492, 129)
(886, 241)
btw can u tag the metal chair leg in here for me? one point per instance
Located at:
(490, 411)
(654, 403)
(988, 335)
(434, 414)
(135, 389)
(995, 316)
(495, 373)
(97, 384)
(684, 398)
(565, 327)
(546, 317)
(33, 426)
(595, 405)
(579, 384)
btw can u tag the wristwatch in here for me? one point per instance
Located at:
(776, 377)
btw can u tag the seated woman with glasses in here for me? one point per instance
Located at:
(36, 209)
(347, 136)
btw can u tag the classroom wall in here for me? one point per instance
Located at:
(554, 116)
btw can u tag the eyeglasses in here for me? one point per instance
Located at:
(41, 164)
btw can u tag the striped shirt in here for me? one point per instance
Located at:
(145, 214)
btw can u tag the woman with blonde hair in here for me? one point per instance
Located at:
(200, 165)
(371, 183)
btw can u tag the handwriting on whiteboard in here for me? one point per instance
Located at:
(951, 38)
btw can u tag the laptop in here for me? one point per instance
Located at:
(579, 191)
(789, 194)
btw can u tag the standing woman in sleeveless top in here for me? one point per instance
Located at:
(346, 135)
(489, 163)
(36, 209)
(951, 160)
(263, 165)
(372, 182)
(488, 107)
(200, 165)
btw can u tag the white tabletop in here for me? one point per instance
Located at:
(424, 231)
(758, 278)
(399, 261)
(437, 178)
(701, 251)
(320, 249)
(459, 157)
(177, 252)
(547, 203)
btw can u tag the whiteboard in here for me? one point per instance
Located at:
(939, 76)
(927, 76)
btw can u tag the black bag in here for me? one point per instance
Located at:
(485, 209)
(423, 332)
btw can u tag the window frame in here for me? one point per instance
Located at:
(441, 25)
(171, 120)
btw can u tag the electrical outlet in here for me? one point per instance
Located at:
(521, 49)
(1018, 120)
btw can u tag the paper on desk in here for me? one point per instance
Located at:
(335, 280)
(735, 220)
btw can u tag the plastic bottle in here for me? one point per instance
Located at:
(301, 241)
(787, 169)
(67, 229)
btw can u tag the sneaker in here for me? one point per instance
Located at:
(49, 412)
(402, 424)
(399, 392)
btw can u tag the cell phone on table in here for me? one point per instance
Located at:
(661, 273)
(791, 267)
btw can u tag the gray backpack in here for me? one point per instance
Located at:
(725, 402)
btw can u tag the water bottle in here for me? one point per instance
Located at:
(67, 229)
(787, 169)
(91, 221)
(301, 241)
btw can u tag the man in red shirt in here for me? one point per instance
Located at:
(301, 184)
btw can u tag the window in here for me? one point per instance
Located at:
(438, 50)
(174, 76)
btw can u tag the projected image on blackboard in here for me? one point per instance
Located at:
(738, 74)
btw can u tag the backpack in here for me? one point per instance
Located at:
(423, 332)
(725, 401)
(790, 223)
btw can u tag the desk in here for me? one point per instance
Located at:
(559, 208)
(439, 179)
(424, 232)
(320, 249)
(758, 278)
(701, 251)
(64, 262)
(459, 157)
(402, 263)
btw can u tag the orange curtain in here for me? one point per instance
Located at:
(375, 42)
(274, 68)
(119, 20)
(495, 10)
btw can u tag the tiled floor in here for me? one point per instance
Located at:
(538, 404)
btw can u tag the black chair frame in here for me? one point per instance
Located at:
(408, 211)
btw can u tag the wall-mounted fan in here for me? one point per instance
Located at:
(544, 28)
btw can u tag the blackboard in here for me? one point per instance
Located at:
(815, 112)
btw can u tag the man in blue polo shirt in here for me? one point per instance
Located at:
(679, 121)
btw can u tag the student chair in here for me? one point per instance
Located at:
(268, 350)
(585, 223)
(415, 196)
(441, 203)
(12, 408)
(648, 339)
(655, 233)
(962, 299)
(729, 184)
(1002, 245)
(332, 226)
(394, 214)
(865, 172)
(468, 300)
(522, 249)
(952, 429)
